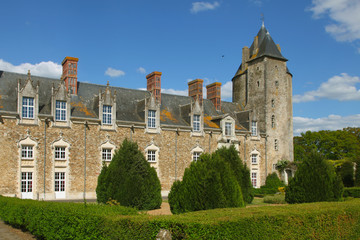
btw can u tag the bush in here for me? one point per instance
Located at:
(50, 220)
(242, 173)
(272, 184)
(357, 172)
(208, 183)
(129, 180)
(314, 181)
(352, 192)
(346, 171)
(276, 199)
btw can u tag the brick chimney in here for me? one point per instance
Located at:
(196, 89)
(69, 74)
(214, 94)
(154, 84)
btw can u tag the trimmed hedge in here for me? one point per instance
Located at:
(352, 192)
(322, 220)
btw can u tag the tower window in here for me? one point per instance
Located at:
(276, 83)
(276, 145)
(272, 102)
(258, 83)
(273, 121)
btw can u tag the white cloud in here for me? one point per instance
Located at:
(342, 88)
(114, 72)
(203, 6)
(175, 92)
(226, 91)
(332, 122)
(141, 70)
(257, 2)
(344, 14)
(43, 69)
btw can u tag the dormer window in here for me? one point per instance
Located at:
(196, 123)
(228, 129)
(107, 114)
(254, 128)
(151, 119)
(28, 107)
(60, 111)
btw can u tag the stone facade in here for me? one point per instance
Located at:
(55, 143)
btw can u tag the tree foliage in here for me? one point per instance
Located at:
(333, 145)
(314, 181)
(129, 180)
(241, 172)
(208, 183)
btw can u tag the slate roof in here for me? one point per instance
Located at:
(266, 45)
(130, 103)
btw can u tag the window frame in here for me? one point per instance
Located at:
(60, 110)
(151, 119)
(196, 156)
(254, 128)
(26, 182)
(196, 123)
(228, 128)
(254, 158)
(60, 153)
(105, 153)
(27, 108)
(60, 182)
(107, 114)
(151, 155)
(27, 152)
(254, 179)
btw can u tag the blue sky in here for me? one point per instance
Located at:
(122, 41)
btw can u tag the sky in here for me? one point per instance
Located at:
(123, 41)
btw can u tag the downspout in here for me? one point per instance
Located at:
(210, 136)
(85, 127)
(176, 135)
(45, 123)
(245, 148)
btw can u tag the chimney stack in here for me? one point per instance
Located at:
(214, 94)
(69, 74)
(196, 89)
(154, 84)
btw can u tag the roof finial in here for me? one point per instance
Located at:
(262, 20)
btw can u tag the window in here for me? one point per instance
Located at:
(27, 152)
(272, 102)
(59, 182)
(107, 114)
(276, 145)
(276, 84)
(228, 129)
(254, 179)
(273, 121)
(26, 182)
(151, 155)
(151, 118)
(60, 111)
(196, 156)
(28, 107)
(196, 123)
(106, 154)
(59, 153)
(254, 128)
(254, 159)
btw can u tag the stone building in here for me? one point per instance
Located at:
(57, 134)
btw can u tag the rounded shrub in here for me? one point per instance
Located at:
(208, 183)
(129, 180)
(346, 172)
(314, 181)
(241, 172)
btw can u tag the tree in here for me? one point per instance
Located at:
(241, 172)
(130, 180)
(346, 172)
(314, 181)
(208, 183)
